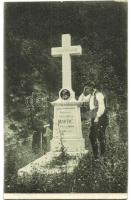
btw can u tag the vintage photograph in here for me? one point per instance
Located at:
(65, 97)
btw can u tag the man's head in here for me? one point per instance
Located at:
(89, 88)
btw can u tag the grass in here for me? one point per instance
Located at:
(108, 174)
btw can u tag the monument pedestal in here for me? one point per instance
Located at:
(67, 130)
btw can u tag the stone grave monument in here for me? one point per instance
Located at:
(67, 119)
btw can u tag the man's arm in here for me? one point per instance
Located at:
(101, 106)
(83, 98)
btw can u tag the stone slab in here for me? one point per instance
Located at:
(43, 166)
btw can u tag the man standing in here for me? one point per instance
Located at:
(99, 120)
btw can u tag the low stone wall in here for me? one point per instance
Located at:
(49, 165)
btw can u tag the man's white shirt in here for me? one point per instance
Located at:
(90, 98)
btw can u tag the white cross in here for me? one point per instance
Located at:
(66, 51)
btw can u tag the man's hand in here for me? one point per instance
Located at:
(96, 120)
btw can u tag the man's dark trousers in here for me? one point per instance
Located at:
(97, 134)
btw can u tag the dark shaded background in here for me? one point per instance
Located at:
(31, 29)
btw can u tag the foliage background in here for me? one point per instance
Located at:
(31, 29)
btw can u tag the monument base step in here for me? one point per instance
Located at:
(49, 165)
(70, 145)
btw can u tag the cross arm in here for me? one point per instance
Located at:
(72, 50)
(56, 51)
(75, 50)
